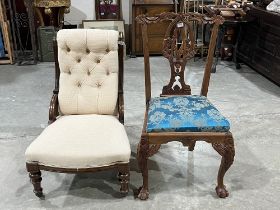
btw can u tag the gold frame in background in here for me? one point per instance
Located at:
(52, 3)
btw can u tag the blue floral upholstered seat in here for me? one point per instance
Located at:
(185, 114)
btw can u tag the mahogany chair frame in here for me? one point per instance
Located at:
(123, 169)
(150, 143)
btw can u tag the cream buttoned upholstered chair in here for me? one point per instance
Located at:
(86, 132)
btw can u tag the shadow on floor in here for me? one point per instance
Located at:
(260, 81)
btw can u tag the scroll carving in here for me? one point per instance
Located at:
(144, 19)
(53, 109)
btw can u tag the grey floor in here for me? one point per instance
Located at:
(178, 179)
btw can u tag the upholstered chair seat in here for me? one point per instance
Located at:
(81, 141)
(86, 113)
(185, 114)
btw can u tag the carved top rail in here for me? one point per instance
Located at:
(191, 16)
(178, 47)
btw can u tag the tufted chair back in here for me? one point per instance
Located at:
(88, 62)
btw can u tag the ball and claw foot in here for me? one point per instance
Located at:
(143, 194)
(222, 192)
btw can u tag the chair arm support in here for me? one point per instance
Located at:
(53, 108)
(121, 107)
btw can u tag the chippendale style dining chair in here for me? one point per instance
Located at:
(86, 113)
(177, 115)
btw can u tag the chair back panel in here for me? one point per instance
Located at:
(88, 62)
(178, 47)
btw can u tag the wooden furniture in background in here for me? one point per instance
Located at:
(178, 48)
(55, 9)
(108, 9)
(6, 31)
(229, 31)
(259, 43)
(194, 5)
(32, 29)
(155, 32)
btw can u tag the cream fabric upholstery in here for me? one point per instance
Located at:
(81, 141)
(88, 61)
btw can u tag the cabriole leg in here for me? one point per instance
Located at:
(226, 150)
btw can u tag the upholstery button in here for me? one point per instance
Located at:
(98, 61)
(98, 85)
(79, 60)
(79, 84)
(68, 49)
(88, 73)
(107, 50)
(87, 51)
(69, 72)
(108, 73)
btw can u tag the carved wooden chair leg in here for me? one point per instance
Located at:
(192, 145)
(36, 181)
(226, 150)
(142, 156)
(35, 178)
(124, 176)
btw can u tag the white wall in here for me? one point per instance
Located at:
(85, 10)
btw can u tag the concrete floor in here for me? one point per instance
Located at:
(178, 179)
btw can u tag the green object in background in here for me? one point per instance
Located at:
(46, 34)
